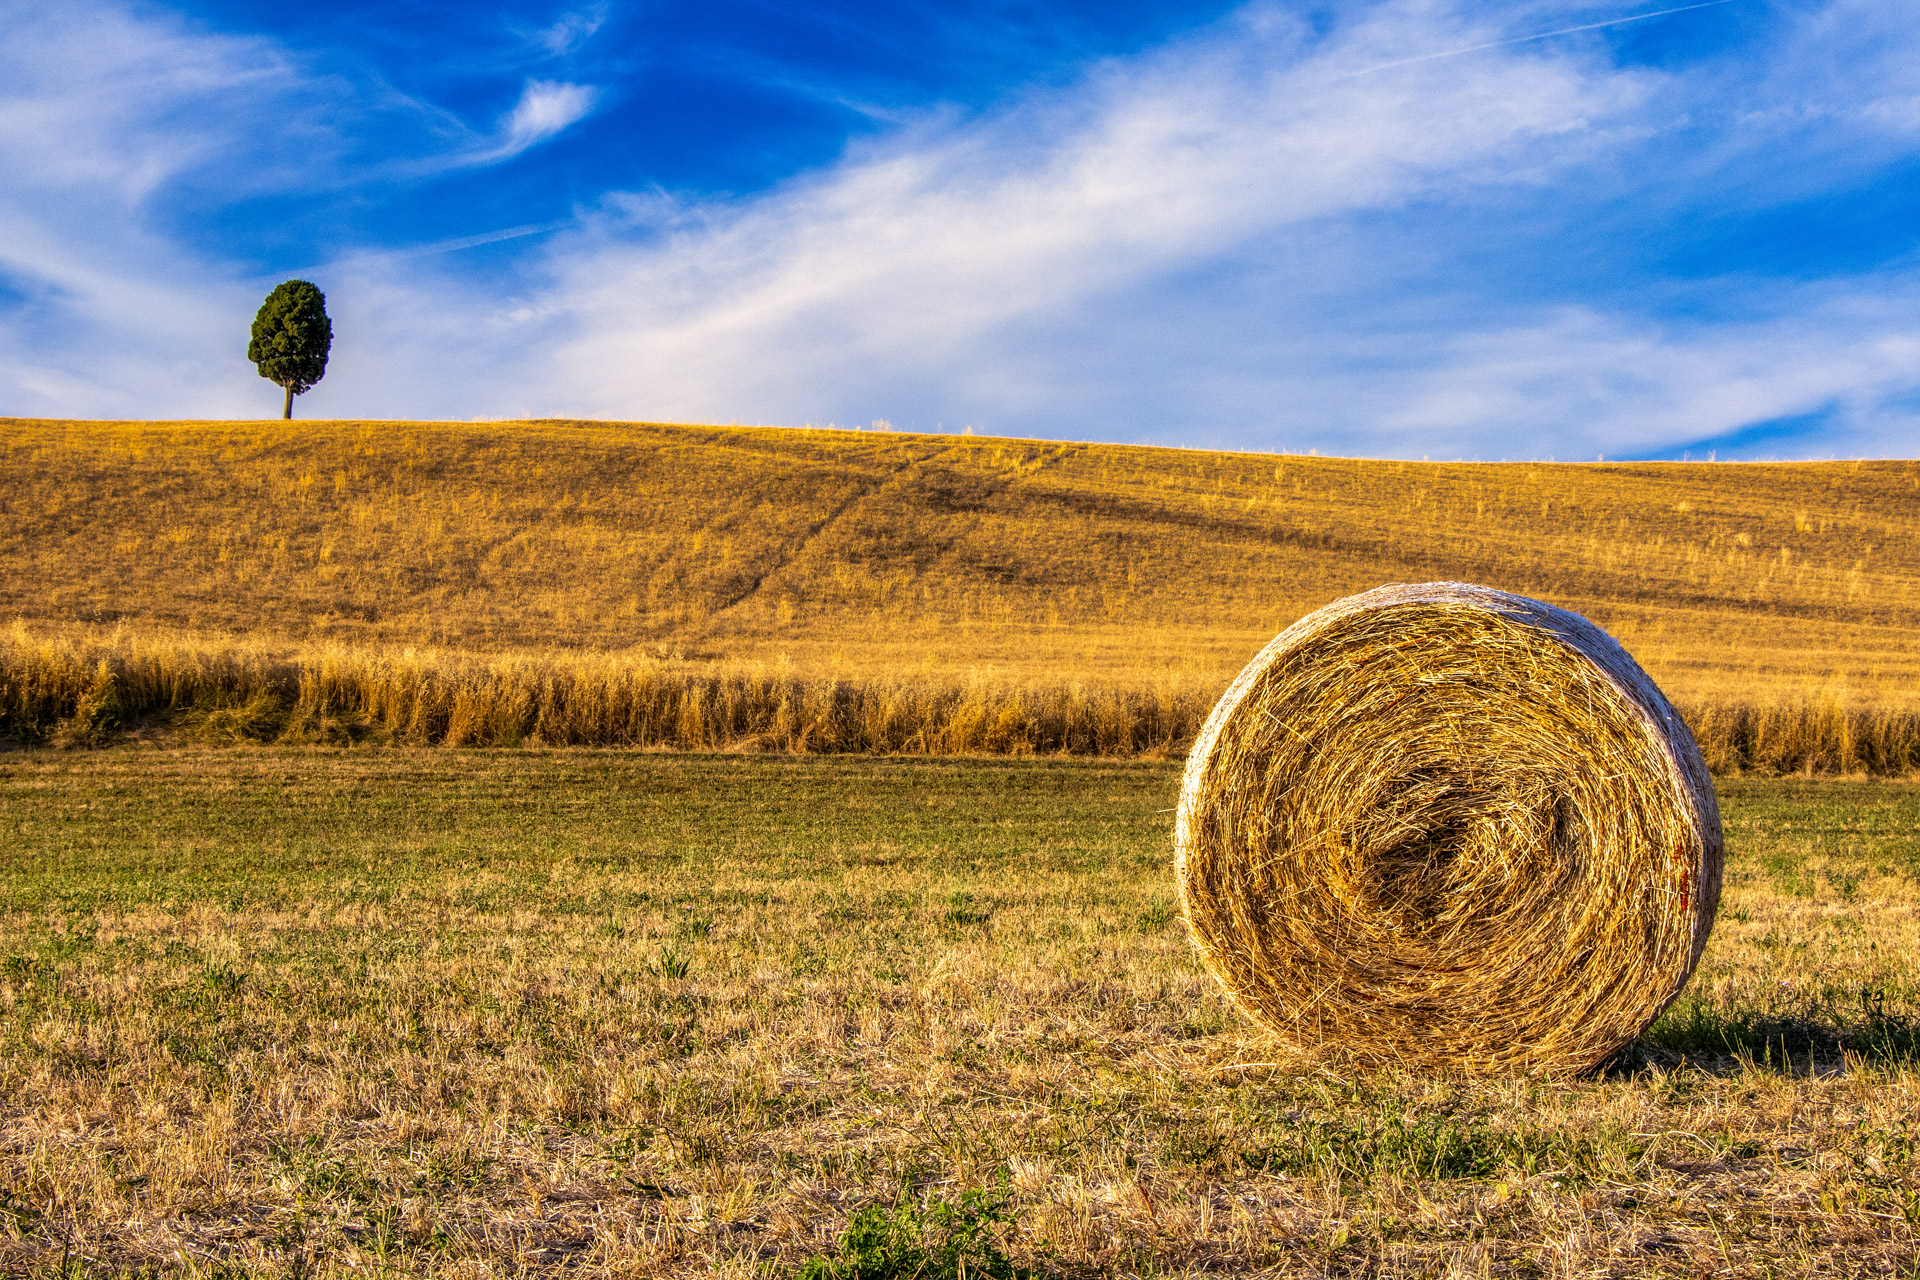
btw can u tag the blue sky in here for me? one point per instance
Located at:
(1416, 228)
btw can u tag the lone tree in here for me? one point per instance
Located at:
(291, 337)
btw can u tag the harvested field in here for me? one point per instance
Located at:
(865, 555)
(326, 1012)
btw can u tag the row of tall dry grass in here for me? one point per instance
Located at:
(92, 689)
(88, 691)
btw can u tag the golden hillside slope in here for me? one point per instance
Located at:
(858, 553)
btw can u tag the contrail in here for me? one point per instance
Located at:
(469, 242)
(438, 246)
(1544, 35)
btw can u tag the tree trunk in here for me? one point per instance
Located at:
(288, 411)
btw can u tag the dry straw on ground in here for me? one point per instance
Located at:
(1442, 825)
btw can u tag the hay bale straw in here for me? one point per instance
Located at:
(1445, 826)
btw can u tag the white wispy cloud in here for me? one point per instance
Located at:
(569, 32)
(545, 108)
(1578, 384)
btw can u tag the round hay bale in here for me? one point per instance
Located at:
(1445, 826)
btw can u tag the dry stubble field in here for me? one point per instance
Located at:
(301, 1012)
(877, 554)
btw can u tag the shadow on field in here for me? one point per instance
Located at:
(1818, 1034)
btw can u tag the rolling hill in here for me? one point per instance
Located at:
(865, 553)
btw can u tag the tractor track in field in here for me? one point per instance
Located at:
(899, 478)
(813, 535)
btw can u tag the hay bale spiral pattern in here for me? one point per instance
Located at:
(1442, 825)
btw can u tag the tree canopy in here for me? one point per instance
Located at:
(291, 338)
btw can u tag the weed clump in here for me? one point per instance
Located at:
(905, 1242)
(97, 711)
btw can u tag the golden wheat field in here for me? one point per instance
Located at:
(811, 590)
